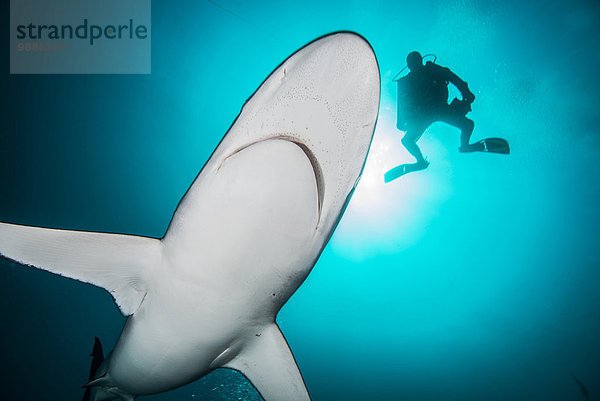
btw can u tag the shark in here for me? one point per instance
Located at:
(244, 237)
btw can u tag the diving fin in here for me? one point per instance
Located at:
(97, 359)
(496, 145)
(491, 145)
(394, 173)
(403, 169)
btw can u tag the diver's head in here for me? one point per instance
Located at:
(414, 60)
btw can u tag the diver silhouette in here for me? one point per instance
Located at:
(423, 100)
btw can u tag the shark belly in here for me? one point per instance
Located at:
(223, 302)
(252, 220)
(159, 354)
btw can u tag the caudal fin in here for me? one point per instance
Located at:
(97, 359)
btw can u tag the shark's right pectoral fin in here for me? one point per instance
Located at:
(269, 365)
(121, 264)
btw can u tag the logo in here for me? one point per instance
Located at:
(80, 37)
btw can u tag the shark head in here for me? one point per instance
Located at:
(282, 175)
(243, 238)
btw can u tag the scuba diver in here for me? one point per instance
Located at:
(423, 100)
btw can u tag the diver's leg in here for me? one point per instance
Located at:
(461, 122)
(409, 140)
(466, 129)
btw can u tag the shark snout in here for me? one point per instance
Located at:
(324, 99)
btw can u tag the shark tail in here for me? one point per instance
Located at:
(97, 359)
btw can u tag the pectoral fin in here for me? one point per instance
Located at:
(121, 264)
(269, 365)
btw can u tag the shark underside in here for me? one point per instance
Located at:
(241, 241)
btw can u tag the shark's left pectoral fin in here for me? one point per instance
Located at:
(269, 365)
(121, 264)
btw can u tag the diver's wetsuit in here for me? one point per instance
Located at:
(423, 100)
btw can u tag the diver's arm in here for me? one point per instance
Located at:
(459, 83)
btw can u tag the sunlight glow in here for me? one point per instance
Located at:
(386, 218)
(386, 152)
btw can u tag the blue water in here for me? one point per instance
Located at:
(477, 279)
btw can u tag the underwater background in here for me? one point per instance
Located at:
(478, 278)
